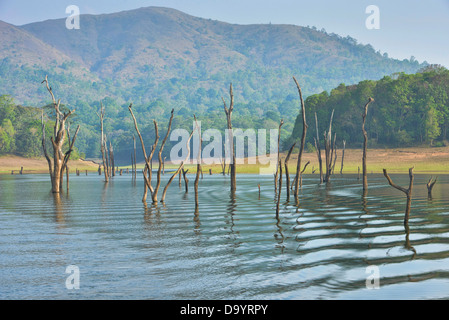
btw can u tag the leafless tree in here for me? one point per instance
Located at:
(408, 192)
(303, 139)
(429, 186)
(60, 158)
(365, 144)
(228, 112)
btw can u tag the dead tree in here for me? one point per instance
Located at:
(329, 150)
(147, 171)
(278, 157)
(429, 186)
(408, 192)
(186, 180)
(198, 164)
(181, 166)
(223, 165)
(111, 158)
(303, 139)
(278, 202)
(103, 148)
(303, 169)
(334, 151)
(365, 144)
(158, 182)
(228, 112)
(318, 149)
(60, 159)
(343, 156)
(287, 175)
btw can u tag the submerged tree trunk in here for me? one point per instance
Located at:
(181, 166)
(103, 142)
(158, 182)
(287, 175)
(343, 156)
(329, 150)
(318, 149)
(408, 192)
(228, 112)
(303, 139)
(278, 157)
(198, 166)
(429, 186)
(365, 144)
(60, 159)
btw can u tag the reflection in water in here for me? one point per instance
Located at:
(231, 209)
(59, 212)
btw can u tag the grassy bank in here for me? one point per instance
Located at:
(424, 160)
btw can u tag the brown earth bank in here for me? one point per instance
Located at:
(13, 164)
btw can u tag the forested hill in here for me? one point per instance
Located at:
(160, 58)
(160, 53)
(408, 110)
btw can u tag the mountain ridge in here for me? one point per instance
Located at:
(138, 49)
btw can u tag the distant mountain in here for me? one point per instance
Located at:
(154, 52)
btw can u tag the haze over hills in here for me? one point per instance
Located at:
(160, 58)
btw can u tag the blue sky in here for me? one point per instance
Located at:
(407, 27)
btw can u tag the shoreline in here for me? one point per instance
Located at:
(398, 160)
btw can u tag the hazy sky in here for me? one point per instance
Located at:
(407, 27)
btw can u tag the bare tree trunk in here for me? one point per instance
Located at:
(147, 178)
(158, 182)
(365, 143)
(186, 180)
(429, 186)
(223, 165)
(278, 202)
(60, 159)
(408, 192)
(181, 166)
(303, 139)
(103, 155)
(228, 113)
(198, 165)
(278, 157)
(334, 151)
(318, 149)
(304, 169)
(67, 177)
(287, 175)
(343, 156)
(328, 150)
(111, 157)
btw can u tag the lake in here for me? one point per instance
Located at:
(232, 248)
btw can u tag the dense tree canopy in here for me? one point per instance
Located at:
(409, 110)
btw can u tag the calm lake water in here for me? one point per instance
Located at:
(233, 248)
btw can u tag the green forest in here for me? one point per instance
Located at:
(409, 110)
